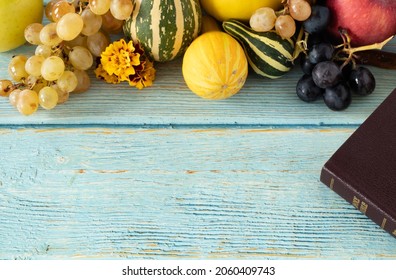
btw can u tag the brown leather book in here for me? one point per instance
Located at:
(363, 169)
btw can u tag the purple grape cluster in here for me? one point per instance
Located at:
(325, 76)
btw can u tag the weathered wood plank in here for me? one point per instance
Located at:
(169, 101)
(177, 193)
(73, 191)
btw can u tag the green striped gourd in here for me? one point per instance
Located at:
(164, 28)
(268, 54)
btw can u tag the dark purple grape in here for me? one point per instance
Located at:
(362, 81)
(346, 70)
(307, 90)
(337, 98)
(306, 65)
(314, 39)
(326, 74)
(317, 38)
(318, 21)
(321, 52)
(321, 2)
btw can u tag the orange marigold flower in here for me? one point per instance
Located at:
(122, 61)
(102, 74)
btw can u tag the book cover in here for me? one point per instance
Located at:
(363, 169)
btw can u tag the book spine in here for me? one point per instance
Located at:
(364, 205)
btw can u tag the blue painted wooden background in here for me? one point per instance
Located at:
(162, 174)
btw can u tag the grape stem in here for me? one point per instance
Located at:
(19, 85)
(301, 44)
(285, 10)
(349, 51)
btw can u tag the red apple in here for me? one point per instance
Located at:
(366, 21)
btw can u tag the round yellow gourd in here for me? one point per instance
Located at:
(237, 9)
(215, 66)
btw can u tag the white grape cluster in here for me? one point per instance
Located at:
(66, 48)
(266, 19)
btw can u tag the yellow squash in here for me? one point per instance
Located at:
(236, 9)
(215, 66)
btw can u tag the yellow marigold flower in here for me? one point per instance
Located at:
(102, 74)
(122, 61)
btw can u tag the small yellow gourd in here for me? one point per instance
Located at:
(236, 9)
(215, 66)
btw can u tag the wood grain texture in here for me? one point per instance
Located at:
(161, 174)
(177, 193)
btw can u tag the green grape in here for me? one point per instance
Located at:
(299, 9)
(285, 26)
(67, 82)
(33, 65)
(6, 87)
(99, 7)
(121, 9)
(60, 9)
(263, 19)
(16, 68)
(13, 97)
(39, 84)
(27, 102)
(43, 50)
(52, 68)
(48, 98)
(84, 81)
(49, 36)
(81, 58)
(32, 33)
(69, 26)
(48, 9)
(80, 40)
(63, 96)
(110, 24)
(92, 22)
(97, 43)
